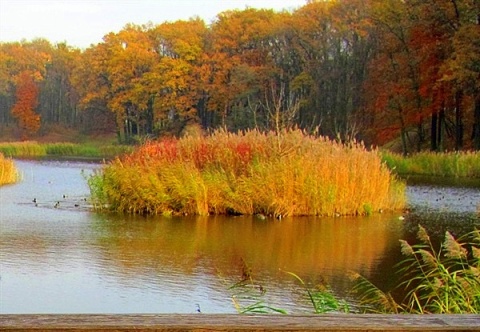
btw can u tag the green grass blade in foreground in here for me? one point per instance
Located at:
(322, 300)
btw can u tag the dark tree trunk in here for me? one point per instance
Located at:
(458, 122)
(476, 124)
(476, 114)
(441, 131)
(421, 135)
(433, 137)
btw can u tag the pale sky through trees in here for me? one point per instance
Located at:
(84, 22)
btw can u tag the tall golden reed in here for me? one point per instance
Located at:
(286, 174)
(8, 172)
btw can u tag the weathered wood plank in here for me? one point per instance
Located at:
(220, 322)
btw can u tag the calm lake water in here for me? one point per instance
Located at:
(57, 256)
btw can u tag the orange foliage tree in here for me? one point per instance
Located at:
(16, 59)
(174, 83)
(24, 108)
(252, 66)
(111, 77)
(130, 56)
(375, 70)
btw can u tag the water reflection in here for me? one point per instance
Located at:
(66, 259)
(218, 245)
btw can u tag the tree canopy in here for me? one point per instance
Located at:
(380, 71)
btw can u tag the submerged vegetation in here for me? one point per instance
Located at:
(452, 164)
(31, 149)
(8, 172)
(285, 174)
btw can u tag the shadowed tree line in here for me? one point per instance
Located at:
(372, 70)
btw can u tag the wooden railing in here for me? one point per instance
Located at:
(214, 322)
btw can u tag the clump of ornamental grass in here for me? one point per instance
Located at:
(285, 174)
(451, 164)
(439, 281)
(8, 172)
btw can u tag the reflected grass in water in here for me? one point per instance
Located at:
(311, 245)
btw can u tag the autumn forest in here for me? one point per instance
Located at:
(399, 72)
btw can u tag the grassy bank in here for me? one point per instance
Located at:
(31, 149)
(8, 172)
(290, 174)
(453, 164)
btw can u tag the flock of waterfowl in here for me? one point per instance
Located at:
(64, 203)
